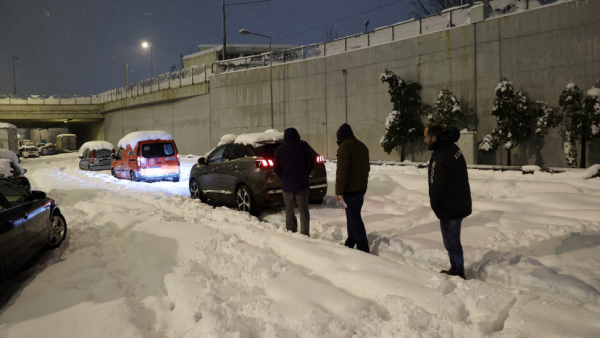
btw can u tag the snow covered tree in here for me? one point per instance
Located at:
(513, 120)
(403, 125)
(582, 120)
(548, 117)
(447, 110)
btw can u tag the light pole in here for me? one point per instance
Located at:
(366, 25)
(345, 72)
(244, 32)
(224, 33)
(146, 45)
(14, 74)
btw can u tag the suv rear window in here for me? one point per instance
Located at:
(153, 150)
(266, 150)
(102, 152)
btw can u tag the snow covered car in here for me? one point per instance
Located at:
(10, 168)
(29, 151)
(240, 172)
(29, 222)
(146, 156)
(95, 155)
(47, 149)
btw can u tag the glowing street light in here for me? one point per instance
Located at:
(146, 45)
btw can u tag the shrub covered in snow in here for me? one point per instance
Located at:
(548, 117)
(403, 125)
(513, 119)
(447, 110)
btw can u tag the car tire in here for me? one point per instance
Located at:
(317, 201)
(196, 192)
(176, 178)
(57, 230)
(244, 200)
(113, 173)
(133, 177)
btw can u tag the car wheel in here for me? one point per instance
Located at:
(196, 192)
(244, 200)
(176, 178)
(133, 177)
(112, 173)
(57, 231)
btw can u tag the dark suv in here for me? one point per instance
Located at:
(242, 175)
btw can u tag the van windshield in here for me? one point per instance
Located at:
(153, 150)
(102, 152)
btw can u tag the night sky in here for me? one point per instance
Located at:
(75, 47)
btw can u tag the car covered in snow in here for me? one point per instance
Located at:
(95, 155)
(48, 149)
(29, 151)
(9, 168)
(146, 156)
(29, 222)
(240, 172)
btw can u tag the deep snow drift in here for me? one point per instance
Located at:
(144, 260)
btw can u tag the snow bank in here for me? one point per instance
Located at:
(5, 169)
(61, 135)
(132, 139)
(4, 125)
(7, 154)
(226, 139)
(530, 168)
(268, 135)
(591, 172)
(94, 145)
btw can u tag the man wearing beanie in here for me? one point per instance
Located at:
(351, 180)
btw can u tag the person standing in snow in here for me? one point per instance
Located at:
(294, 161)
(449, 190)
(351, 178)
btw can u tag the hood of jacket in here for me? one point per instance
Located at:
(344, 132)
(451, 135)
(291, 135)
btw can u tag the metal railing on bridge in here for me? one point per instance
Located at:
(452, 17)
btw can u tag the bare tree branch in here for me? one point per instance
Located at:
(423, 8)
(330, 33)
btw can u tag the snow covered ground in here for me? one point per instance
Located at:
(144, 260)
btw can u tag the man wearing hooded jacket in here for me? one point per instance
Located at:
(294, 161)
(449, 190)
(351, 180)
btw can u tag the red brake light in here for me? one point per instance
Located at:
(320, 159)
(264, 163)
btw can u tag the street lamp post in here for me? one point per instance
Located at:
(244, 32)
(146, 45)
(224, 33)
(366, 26)
(14, 74)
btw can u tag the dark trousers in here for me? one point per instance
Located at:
(300, 198)
(451, 235)
(357, 235)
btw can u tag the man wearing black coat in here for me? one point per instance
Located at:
(294, 161)
(449, 190)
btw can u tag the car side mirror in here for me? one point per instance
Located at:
(113, 156)
(38, 195)
(202, 160)
(80, 156)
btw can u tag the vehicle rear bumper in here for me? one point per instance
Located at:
(152, 175)
(274, 196)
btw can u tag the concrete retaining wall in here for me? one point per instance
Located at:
(539, 51)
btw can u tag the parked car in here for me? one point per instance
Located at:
(29, 151)
(29, 222)
(242, 175)
(146, 156)
(95, 155)
(9, 167)
(48, 149)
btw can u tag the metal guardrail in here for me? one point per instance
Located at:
(454, 17)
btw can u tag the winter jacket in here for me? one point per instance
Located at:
(294, 161)
(353, 165)
(449, 190)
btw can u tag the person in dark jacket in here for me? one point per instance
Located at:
(351, 180)
(449, 190)
(294, 161)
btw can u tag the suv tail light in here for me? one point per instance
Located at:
(178, 162)
(320, 159)
(139, 161)
(93, 153)
(264, 163)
